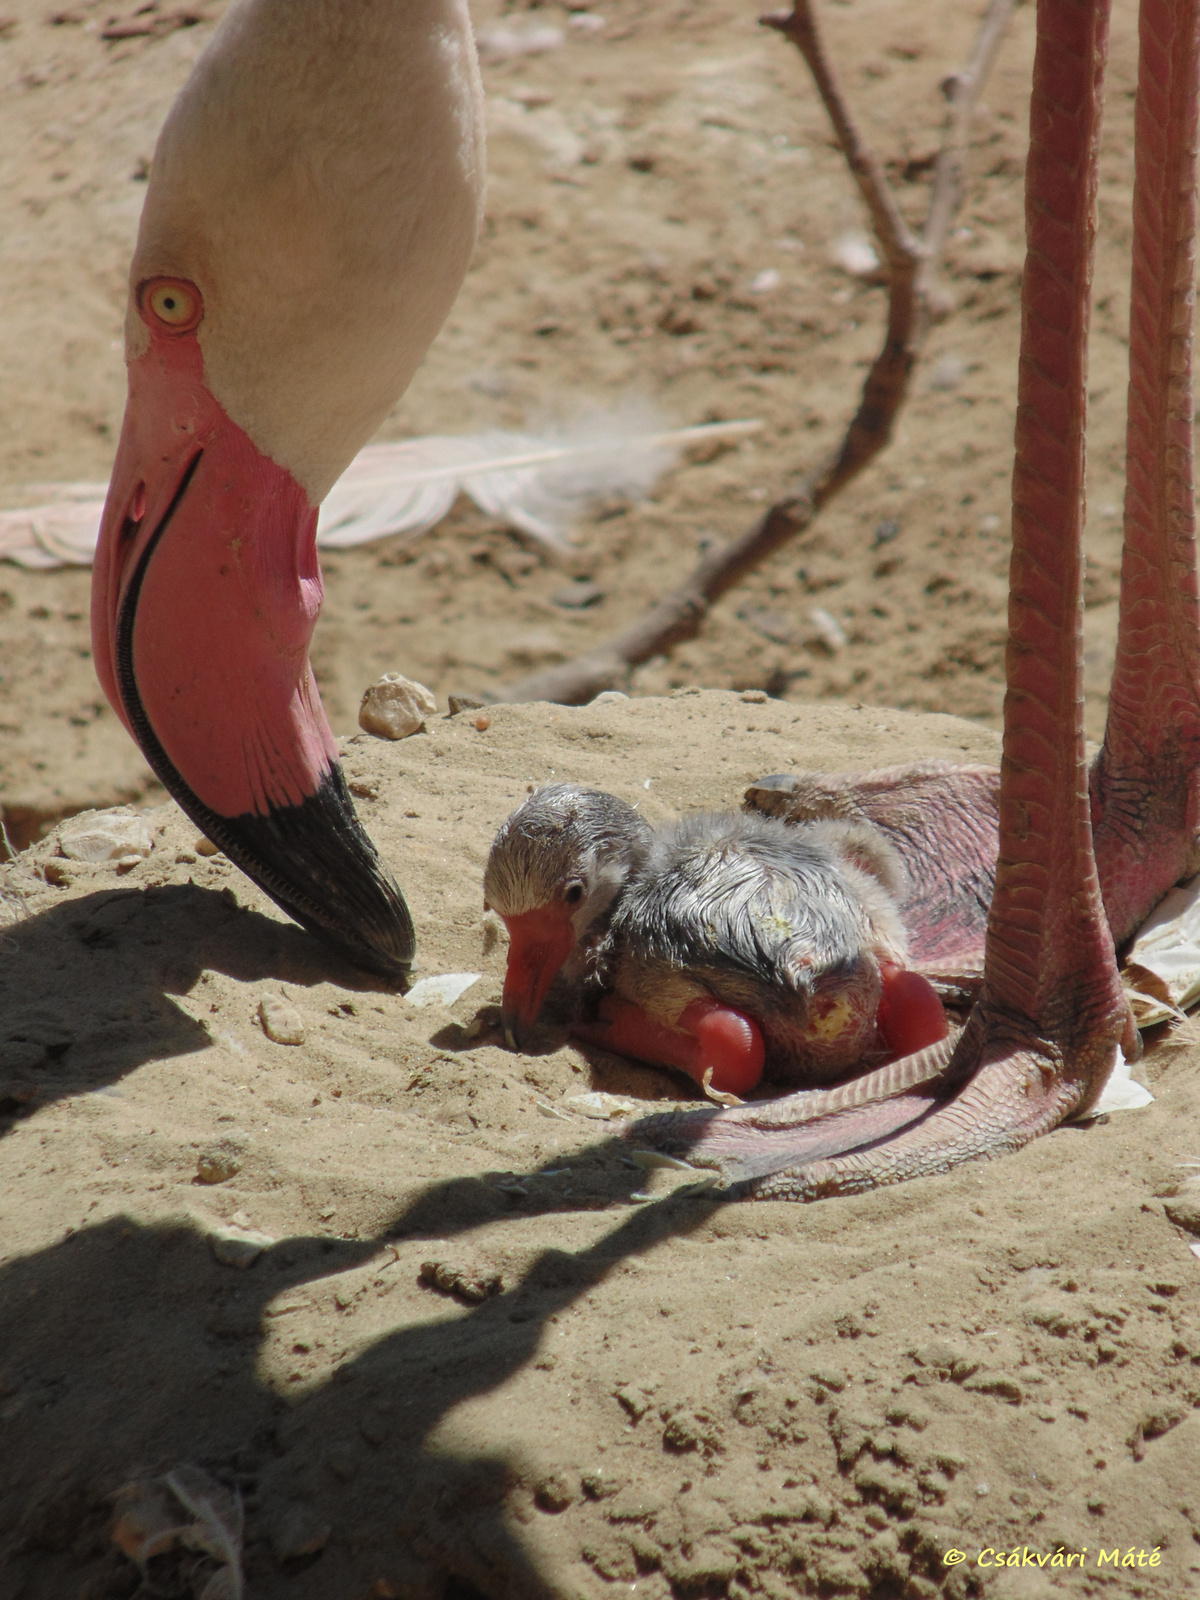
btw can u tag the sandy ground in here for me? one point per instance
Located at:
(672, 1396)
(668, 1396)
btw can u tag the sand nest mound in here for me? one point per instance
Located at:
(405, 1290)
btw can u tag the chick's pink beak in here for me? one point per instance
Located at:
(539, 942)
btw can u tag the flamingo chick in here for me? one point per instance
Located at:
(727, 945)
(313, 205)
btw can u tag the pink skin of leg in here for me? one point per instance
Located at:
(910, 1014)
(228, 598)
(729, 1043)
(1146, 781)
(710, 1036)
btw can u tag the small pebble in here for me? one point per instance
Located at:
(105, 836)
(949, 373)
(855, 254)
(281, 1022)
(464, 702)
(468, 1280)
(205, 847)
(554, 1493)
(483, 723)
(298, 1532)
(395, 707)
(217, 1166)
(578, 596)
(755, 697)
(1185, 1211)
(233, 1247)
(829, 630)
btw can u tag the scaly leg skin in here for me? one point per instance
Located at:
(1043, 1038)
(1146, 780)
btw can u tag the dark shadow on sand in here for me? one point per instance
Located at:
(85, 988)
(127, 1349)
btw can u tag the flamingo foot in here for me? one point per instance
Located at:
(984, 1093)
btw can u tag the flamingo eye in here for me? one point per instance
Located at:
(172, 304)
(573, 893)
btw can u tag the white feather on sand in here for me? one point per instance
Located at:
(538, 482)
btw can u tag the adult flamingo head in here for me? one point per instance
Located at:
(313, 205)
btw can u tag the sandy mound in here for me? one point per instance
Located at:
(669, 1396)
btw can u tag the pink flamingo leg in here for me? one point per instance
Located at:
(1043, 1037)
(1145, 789)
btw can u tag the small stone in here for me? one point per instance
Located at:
(577, 596)
(829, 631)
(755, 697)
(63, 874)
(483, 723)
(1185, 1212)
(395, 707)
(553, 1493)
(634, 1402)
(599, 1485)
(205, 847)
(235, 1247)
(298, 1532)
(281, 1022)
(467, 1279)
(464, 702)
(948, 373)
(105, 836)
(217, 1166)
(608, 697)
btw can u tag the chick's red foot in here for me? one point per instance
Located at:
(910, 1014)
(711, 1038)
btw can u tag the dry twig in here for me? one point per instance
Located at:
(912, 264)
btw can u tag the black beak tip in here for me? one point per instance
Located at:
(317, 863)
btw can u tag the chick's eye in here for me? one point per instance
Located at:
(171, 304)
(573, 893)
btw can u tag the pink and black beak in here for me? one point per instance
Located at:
(206, 591)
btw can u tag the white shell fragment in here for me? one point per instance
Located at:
(1122, 1092)
(829, 630)
(395, 706)
(106, 836)
(442, 989)
(602, 1107)
(281, 1022)
(1169, 944)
